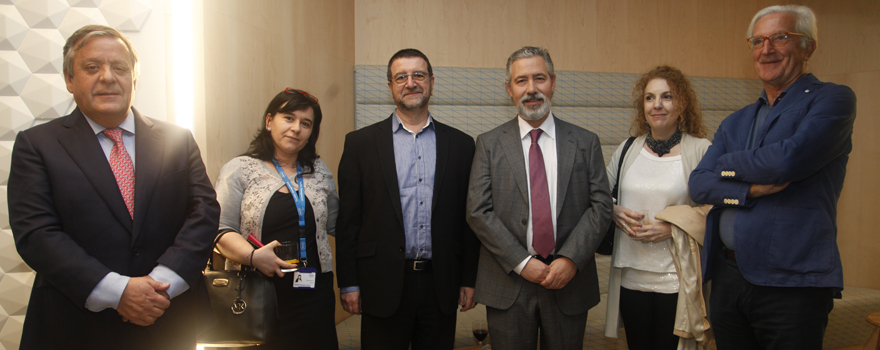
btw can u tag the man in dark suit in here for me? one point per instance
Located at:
(774, 173)
(405, 255)
(101, 233)
(539, 201)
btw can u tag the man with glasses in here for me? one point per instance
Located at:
(774, 173)
(406, 258)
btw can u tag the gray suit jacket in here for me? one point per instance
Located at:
(498, 211)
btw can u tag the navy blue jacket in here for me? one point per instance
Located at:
(786, 239)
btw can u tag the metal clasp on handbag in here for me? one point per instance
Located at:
(238, 305)
(220, 282)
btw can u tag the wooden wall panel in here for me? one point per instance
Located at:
(701, 38)
(857, 232)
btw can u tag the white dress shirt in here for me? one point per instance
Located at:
(109, 290)
(547, 142)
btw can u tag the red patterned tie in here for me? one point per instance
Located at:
(542, 222)
(123, 168)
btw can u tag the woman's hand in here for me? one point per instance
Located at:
(268, 263)
(653, 232)
(626, 219)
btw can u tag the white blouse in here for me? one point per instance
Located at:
(651, 184)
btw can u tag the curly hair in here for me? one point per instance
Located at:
(262, 147)
(690, 119)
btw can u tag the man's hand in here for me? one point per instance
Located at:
(351, 302)
(562, 270)
(758, 190)
(466, 298)
(535, 271)
(141, 302)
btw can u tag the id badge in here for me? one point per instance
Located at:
(305, 278)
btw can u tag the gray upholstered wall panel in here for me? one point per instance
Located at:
(474, 100)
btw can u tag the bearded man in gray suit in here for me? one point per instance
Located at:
(540, 203)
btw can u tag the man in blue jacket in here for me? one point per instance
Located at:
(774, 173)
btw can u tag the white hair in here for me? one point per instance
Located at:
(805, 24)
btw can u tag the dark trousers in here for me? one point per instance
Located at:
(747, 316)
(418, 320)
(649, 319)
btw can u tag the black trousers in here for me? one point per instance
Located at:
(649, 319)
(418, 320)
(748, 316)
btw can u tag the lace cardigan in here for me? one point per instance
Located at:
(245, 186)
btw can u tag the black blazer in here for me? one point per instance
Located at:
(370, 236)
(72, 227)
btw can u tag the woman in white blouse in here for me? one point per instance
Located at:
(278, 191)
(645, 288)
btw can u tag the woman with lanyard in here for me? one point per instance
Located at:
(279, 191)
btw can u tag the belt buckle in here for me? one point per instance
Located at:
(419, 265)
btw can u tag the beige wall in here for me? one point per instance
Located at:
(849, 47)
(254, 49)
(703, 38)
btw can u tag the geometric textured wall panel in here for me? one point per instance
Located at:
(5, 160)
(41, 50)
(14, 288)
(12, 28)
(42, 13)
(13, 73)
(14, 117)
(77, 17)
(10, 335)
(9, 258)
(125, 14)
(46, 96)
(4, 210)
(84, 3)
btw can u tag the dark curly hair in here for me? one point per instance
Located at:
(262, 146)
(690, 119)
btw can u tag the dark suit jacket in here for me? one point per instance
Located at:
(72, 227)
(789, 238)
(498, 212)
(370, 236)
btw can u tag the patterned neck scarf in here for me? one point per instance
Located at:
(664, 146)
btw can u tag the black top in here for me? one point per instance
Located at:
(281, 223)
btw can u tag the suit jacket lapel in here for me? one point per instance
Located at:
(440, 131)
(84, 149)
(513, 152)
(385, 150)
(149, 153)
(565, 153)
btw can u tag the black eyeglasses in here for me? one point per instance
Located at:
(306, 94)
(775, 40)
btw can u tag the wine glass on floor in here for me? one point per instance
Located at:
(481, 331)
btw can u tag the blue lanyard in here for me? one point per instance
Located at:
(298, 196)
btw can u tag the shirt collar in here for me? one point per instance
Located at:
(396, 124)
(763, 97)
(127, 124)
(548, 127)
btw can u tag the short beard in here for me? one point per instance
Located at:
(404, 106)
(533, 114)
